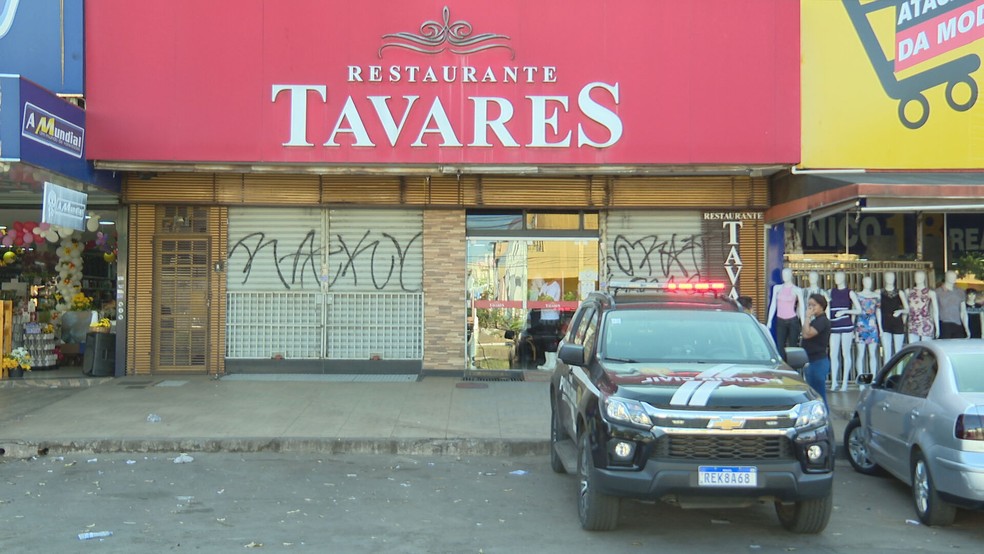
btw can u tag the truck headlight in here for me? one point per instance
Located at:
(629, 411)
(811, 414)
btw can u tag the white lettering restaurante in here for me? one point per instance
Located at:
(451, 74)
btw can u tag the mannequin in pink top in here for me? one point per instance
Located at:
(786, 312)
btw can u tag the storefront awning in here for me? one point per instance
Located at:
(42, 139)
(819, 196)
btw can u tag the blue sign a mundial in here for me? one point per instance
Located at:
(63, 206)
(49, 129)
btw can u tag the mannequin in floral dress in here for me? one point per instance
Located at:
(923, 310)
(867, 327)
(893, 307)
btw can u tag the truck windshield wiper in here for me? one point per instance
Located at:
(623, 360)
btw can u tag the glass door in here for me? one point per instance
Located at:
(522, 293)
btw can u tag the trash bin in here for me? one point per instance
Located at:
(99, 355)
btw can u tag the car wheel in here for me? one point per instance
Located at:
(856, 446)
(597, 511)
(806, 516)
(556, 435)
(930, 508)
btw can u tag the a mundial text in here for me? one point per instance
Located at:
(372, 120)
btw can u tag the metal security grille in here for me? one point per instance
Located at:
(265, 324)
(182, 303)
(363, 325)
(337, 326)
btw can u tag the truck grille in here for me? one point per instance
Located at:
(723, 447)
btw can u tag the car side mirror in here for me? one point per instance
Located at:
(571, 354)
(796, 357)
(510, 335)
(865, 378)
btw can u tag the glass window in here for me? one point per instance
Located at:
(553, 221)
(672, 336)
(891, 376)
(919, 375)
(968, 372)
(591, 221)
(582, 325)
(494, 221)
(589, 337)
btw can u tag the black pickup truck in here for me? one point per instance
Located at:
(679, 396)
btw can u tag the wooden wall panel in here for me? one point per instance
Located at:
(140, 280)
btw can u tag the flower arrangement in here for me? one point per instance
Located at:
(101, 324)
(48, 328)
(81, 302)
(18, 358)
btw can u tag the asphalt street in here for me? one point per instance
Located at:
(435, 504)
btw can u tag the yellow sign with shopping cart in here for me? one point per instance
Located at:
(892, 84)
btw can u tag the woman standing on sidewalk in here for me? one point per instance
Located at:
(816, 339)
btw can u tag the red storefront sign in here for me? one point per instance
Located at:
(454, 82)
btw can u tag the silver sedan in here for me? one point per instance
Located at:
(922, 420)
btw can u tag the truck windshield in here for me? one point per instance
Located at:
(644, 335)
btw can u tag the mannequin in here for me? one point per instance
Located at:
(843, 305)
(975, 315)
(893, 307)
(787, 308)
(923, 310)
(549, 319)
(952, 308)
(813, 287)
(868, 327)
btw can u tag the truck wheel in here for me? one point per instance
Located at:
(597, 511)
(930, 508)
(806, 516)
(857, 449)
(556, 435)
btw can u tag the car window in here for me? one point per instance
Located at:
(590, 332)
(587, 316)
(660, 335)
(968, 371)
(919, 374)
(891, 377)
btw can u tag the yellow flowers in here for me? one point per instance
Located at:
(81, 302)
(17, 358)
(104, 323)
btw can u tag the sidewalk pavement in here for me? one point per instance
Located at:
(433, 415)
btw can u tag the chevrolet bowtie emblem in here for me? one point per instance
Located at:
(726, 424)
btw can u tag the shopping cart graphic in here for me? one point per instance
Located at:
(911, 89)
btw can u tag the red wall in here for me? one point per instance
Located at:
(708, 82)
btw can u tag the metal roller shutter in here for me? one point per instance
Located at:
(653, 246)
(375, 283)
(375, 250)
(275, 302)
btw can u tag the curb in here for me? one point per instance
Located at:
(418, 447)
(72, 383)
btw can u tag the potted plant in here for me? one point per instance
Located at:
(75, 322)
(17, 362)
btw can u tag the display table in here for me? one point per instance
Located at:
(41, 347)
